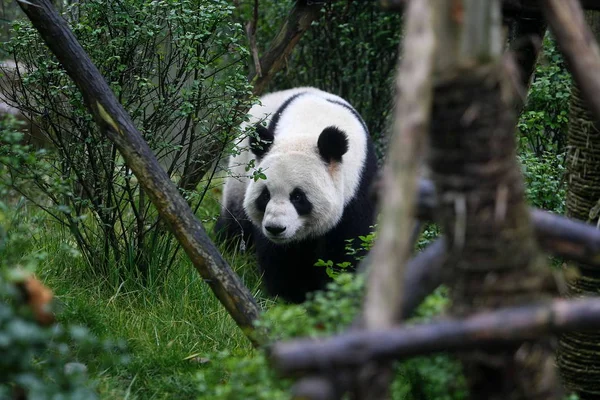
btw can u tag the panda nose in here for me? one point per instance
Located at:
(275, 230)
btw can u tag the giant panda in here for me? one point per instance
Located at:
(319, 162)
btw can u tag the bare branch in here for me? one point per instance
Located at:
(251, 32)
(296, 24)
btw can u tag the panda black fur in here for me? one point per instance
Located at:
(319, 161)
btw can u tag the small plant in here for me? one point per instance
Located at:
(358, 253)
(366, 244)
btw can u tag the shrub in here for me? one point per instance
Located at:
(178, 68)
(544, 180)
(544, 121)
(324, 314)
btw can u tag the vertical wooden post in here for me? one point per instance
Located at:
(481, 204)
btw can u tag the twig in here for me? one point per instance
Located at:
(486, 330)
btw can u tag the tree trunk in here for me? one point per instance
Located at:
(495, 260)
(579, 352)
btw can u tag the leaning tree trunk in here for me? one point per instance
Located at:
(579, 352)
(481, 204)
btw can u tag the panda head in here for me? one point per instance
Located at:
(303, 195)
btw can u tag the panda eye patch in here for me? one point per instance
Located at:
(301, 203)
(262, 200)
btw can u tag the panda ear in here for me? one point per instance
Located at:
(261, 142)
(332, 144)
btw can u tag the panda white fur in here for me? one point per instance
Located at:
(316, 153)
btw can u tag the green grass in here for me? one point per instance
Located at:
(181, 341)
(168, 324)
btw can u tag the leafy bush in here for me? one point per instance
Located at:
(178, 68)
(544, 180)
(326, 313)
(544, 121)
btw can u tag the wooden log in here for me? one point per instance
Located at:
(117, 125)
(578, 45)
(486, 330)
(414, 88)
(424, 273)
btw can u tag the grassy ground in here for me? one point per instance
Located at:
(174, 326)
(171, 326)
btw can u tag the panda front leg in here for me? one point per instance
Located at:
(288, 271)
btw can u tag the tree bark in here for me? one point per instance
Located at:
(117, 125)
(579, 352)
(481, 204)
